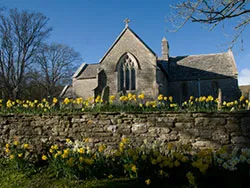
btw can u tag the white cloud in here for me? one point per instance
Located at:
(244, 77)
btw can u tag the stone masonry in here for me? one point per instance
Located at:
(200, 129)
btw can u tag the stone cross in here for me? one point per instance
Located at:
(126, 22)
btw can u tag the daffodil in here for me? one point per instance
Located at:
(44, 157)
(55, 100)
(141, 96)
(148, 181)
(25, 146)
(133, 168)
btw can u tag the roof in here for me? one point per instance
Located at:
(67, 92)
(118, 38)
(210, 66)
(79, 70)
(88, 71)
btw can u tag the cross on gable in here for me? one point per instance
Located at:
(126, 22)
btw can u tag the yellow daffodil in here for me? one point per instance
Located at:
(25, 146)
(148, 181)
(242, 98)
(133, 168)
(160, 97)
(141, 96)
(20, 155)
(170, 98)
(44, 157)
(55, 100)
(110, 176)
(191, 178)
(81, 150)
(66, 101)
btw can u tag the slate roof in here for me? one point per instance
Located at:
(87, 71)
(210, 66)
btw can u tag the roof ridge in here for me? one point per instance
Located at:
(221, 53)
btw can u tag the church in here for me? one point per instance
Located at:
(130, 66)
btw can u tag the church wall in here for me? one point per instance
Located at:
(145, 76)
(182, 90)
(84, 87)
(229, 87)
(162, 82)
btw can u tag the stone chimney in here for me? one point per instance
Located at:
(165, 49)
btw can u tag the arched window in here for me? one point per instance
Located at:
(126, 69)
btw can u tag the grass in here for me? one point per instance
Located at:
(12, 178)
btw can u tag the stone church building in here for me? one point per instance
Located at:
(130, 65)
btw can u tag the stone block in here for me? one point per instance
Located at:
(206, 133)
(112, 128)
(209, 122)
(12, 132)
(206, 144)
(193, 132)
(97, 130)
(154, 131)
(221, 136)
(139, 128)
(164, 124)
(169, 137)
(245, 125)
(240, 140)
(182, 125)
(104, 122)
(165, 130)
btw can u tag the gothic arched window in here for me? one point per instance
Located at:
(126, 69)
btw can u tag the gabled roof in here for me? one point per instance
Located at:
(67, 92)
(88, 71)
(79, 70)
(118, 38)
(209, 66)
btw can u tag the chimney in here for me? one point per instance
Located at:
(165, 48)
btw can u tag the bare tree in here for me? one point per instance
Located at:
(57, 63)
(21, 33)
(212, 12)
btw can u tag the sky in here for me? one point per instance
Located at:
(91, 27)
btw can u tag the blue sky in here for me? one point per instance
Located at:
(91, 26)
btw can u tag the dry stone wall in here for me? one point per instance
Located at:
(199, 129)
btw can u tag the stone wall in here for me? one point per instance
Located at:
(199, 129)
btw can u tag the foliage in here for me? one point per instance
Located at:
(156, 163)
(125, 103)
(56, 63)
(213, 13)
(21, 33)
